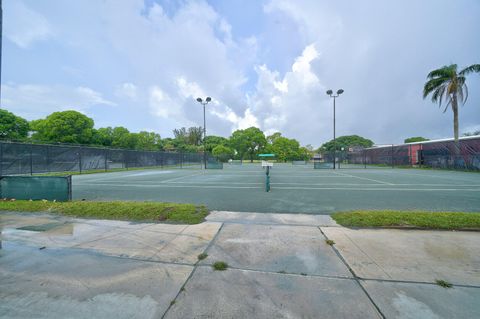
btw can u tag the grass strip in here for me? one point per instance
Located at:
(414, 219)
(116, 210)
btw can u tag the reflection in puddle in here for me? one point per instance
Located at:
(20, 226)
(49, 227)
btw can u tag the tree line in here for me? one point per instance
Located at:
(76, 128)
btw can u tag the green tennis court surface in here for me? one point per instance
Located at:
(294, 188)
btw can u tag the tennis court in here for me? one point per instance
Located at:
(294, 188)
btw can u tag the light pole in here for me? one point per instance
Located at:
(330, 93)
(1, 39)
(199, 100)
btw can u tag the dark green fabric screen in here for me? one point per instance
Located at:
(57, 188)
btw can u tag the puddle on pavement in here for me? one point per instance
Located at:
(21, 225)
(43, 227)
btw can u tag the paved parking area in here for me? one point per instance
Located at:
(280, 267)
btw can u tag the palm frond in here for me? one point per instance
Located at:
(448, 104)
(474, 68)
(466, 93)
(433, 85)
(460, 94)
(441, 94)
(447, 71)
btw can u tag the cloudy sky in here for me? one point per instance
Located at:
(141, 64)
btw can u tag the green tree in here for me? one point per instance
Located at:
(248, 142)
(415, 139)
(195, 135)
(286, 149)
(181, 134)
(345, 142)
(223, 153)
(149, 141)
(305, 153)
(475, 133)
(64, 127)
(271, 138)
(448, 84)
(12, 126)
(103, 136)
(122, 138)
(212, 141)
(188, 139)
(168, 144)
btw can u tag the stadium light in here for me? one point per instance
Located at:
(330, 93)
(207, 100)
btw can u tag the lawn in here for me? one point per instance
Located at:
(117, 210)
(414, 219)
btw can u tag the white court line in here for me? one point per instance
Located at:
(387, 189)
(290, 188)
(330, 184)
(166, 186)
(368, 179)
(153, 183)
(278, 175)
(180, 177)
(430, 176)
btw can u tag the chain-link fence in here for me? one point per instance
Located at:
(22, 158)
(464, 155)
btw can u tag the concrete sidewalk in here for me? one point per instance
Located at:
(279, 267)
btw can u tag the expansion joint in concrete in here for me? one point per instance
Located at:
(355, 277)
(195, 266)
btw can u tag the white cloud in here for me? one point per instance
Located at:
(126, 90)
(290, 104)
(34, 101)
(381, 60)
(238, 122)
(162, 105)
(274, 77)
(189, 90)
(91, 97)
(24, 26)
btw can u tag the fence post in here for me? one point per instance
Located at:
(31, 159)
(1, 159)
(47, 159)
(365, 158)
(80, 159)
(125, 159)
(393, 161)
(106, 159)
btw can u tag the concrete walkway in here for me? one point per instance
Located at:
(280, 266)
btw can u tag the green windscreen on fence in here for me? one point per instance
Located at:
(321, 165)
(57, 188)
(299, 162)
(214, 165)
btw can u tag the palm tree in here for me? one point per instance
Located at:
(446, 83)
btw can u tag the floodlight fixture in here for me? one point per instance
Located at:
(199, 100)
(330, 93)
